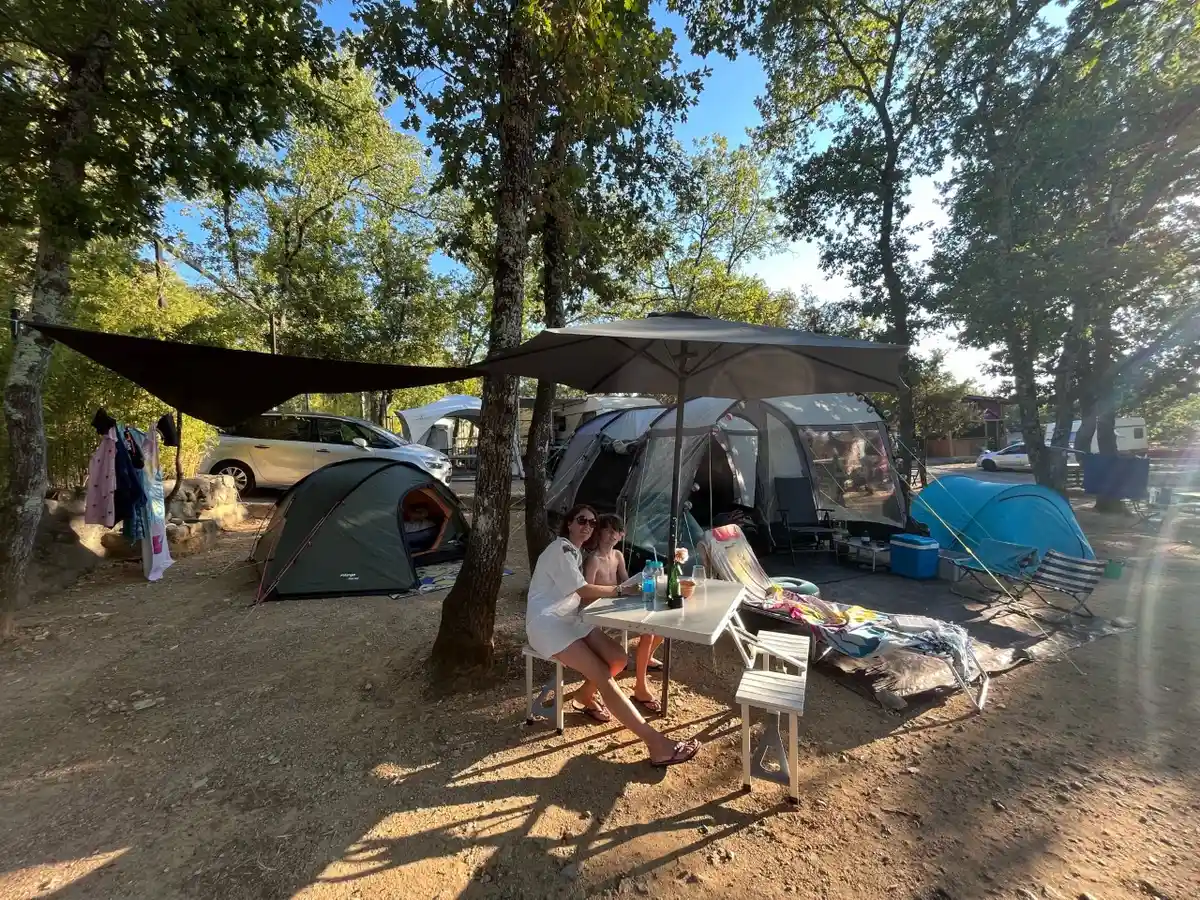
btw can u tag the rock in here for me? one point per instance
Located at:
(1000, 807)
(1079, 767)
(913, 770)
(1026, 894)
(273, 759)
(693, 878)
(199, 784)
(640, 887)
(703, 829)
(1076, 785)
(1063, 797)
(570, 871)
(144, 703)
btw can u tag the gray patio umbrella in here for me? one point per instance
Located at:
(695, 356)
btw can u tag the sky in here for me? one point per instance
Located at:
(726, 106)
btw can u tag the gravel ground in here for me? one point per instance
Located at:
(168, 741)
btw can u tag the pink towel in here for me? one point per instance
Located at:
(102, 483)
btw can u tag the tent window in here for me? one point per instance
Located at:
(853, 474)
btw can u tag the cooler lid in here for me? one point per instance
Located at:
(914, 541)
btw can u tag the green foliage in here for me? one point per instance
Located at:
(1072, 239)
(937, 398)
(1176, 423)
(149, 95)
(718, 217)
(117, 291)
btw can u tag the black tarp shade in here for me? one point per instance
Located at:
(224, 387)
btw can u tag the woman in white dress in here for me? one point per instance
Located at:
(557, 593)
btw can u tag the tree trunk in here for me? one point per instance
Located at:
(898, 305)
(556, 263)
(464, 640)
(26, 489)
(1025, 382)
(23, 415)
(1052, 471)
(1106, 401)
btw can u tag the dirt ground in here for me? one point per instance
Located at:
(168, 740)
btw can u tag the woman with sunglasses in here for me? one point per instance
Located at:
(557, 593)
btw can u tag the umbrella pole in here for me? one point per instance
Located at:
(673, 528)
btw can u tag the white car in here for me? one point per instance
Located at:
(1014, 457)
(278, 449)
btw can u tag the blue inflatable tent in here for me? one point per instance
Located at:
(975, 510)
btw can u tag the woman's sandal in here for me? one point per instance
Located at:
(684, 751)
(597, 713)
(650, 706)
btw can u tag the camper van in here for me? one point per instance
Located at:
(1131, 436)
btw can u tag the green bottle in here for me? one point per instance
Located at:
(674, 598)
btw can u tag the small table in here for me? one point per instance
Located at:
(705, 616)
(851, 548)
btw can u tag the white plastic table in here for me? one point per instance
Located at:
(705, 616)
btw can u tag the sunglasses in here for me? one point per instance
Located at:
(585, 521)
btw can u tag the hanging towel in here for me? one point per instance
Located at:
(156, 555)
(102, 483)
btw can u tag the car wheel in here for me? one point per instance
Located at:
(242, 477)
(989, 465)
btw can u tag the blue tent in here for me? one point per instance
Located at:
(969, 510)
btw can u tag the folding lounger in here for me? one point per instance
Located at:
(852, 630)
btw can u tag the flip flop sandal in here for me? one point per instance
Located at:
(684, 751)
(595, 713)
(651, 705)
(655, 665)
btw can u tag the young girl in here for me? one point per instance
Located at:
(606, 565)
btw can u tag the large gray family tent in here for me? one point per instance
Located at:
(734, 454)
(359, 526)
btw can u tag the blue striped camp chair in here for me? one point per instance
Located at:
(1069, 575)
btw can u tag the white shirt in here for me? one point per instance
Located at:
(557, 578)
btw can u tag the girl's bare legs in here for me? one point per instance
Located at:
(611, 653)
(583, 659)
(646, 647)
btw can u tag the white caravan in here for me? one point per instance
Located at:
(1131, 436)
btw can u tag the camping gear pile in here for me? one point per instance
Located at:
(341, 531)
(851, 630)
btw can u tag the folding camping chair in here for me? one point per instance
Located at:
(1069, 575)
(799, 513)
(992, 560)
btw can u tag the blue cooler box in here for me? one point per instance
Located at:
(914, 556)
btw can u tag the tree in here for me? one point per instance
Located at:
(718, 216)
(102, 107)
(483, 115)
(504, 66)
(1071, 242)
(850, 112)
(610, 150)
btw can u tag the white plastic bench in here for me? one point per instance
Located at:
(779, 693)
